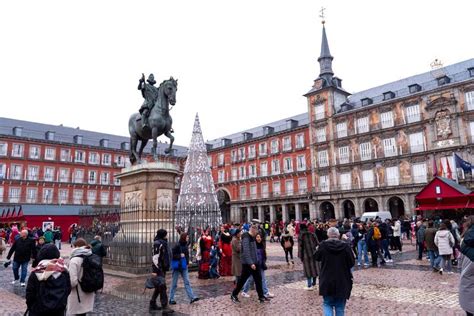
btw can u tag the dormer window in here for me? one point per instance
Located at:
(17, 131)
(290, 124)
(104, 142)
(471, 71)
(247, 135)
(78, 139)
(366, 101)
(443, 80)
(414, 88)
(267, 130)
(226, 141)
(388, 95)
(49, 135)
(125, 145)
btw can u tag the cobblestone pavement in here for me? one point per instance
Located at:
(407, 287)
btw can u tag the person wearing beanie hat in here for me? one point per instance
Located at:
(50, 270)
(337, 259)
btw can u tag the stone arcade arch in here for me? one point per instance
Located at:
(396, 206)
(223, 198)
(327, 210)
(348, 209)
(371, 205)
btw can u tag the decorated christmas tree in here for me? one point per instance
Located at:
(197, 206)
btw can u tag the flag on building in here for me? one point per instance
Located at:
(441, 171)
(435, 168)
(463, 164)
(449, 172)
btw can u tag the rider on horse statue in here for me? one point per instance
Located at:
(150, 94)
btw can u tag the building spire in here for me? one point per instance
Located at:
(325, 58)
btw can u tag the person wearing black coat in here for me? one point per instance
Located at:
(335, 278)
(24, 249)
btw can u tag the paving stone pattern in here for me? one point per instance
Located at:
(407, 287)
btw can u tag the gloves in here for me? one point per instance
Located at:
(7, 263)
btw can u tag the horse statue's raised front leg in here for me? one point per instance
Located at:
(154, 136)
(171, 137)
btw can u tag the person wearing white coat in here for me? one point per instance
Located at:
(397, 232)
(86, 304)
(444, 240)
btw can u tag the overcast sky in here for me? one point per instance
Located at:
(240, 64)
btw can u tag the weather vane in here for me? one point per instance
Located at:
(322, 15)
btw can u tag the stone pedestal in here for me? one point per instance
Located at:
(147, 204)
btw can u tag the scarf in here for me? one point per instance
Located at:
(81, 251)
(47, 268)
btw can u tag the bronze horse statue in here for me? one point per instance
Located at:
(159, 120)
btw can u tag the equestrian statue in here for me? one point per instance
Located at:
(153, 118)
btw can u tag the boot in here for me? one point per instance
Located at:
(153, 307)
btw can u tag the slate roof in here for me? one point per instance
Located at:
(65, 134)
(278, 126)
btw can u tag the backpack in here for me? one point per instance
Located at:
(52, 294)
(377, 234)
(92, 274)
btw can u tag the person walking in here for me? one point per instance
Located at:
(179, 263)
(385, 230)
(48, 236)
(161, 264)
(307, 243)
(431, 247)
(24, 249)
(420, 239)
(444, 240)
(39, 245)
(362, 246)
(287, 243)
(397, 232)
(335, 278)
(57, 236)
(248, 256)
(78, 301)
(236, 263)
(466, 282)
(98, 248)
(49, 284)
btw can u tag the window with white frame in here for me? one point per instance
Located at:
(33, 173)
(50, 153)
(276, 188)
(92, 177)
(16, 172)
(252, 171)
(345, 181)
(242, 174)
(35, 152)
(363, 124)
(343, 154)
(319, 112)
(243, 192)
(106, 159)
(323, 159)
(220, 159)
(17, 150)
(253, 191)
(389, 147)
(299, 141)
(302, 185)
(104, 178)
(1, 194)
(262, 149)
(233, 155)
(288, 164)
(263, 169)
(3, 149)
(49, 174)
(3, 171)
(471, 127)
(275, 166)
(47, 195)
(393, 175)
(252, 152)
(116, 197)
(341, 129)
(386, 119)
(419, 173)
(91, 197)
(221, 176)
(31, 195)
(417, 143)
(275, 146)
(287, 143)
(469, 97)
(119, 161)
(324, 183)
(241, 153)
(63, 195)
(365, 151)
(65, 155)
(14, 195)
(63, 175)
(300, 163)
(78, 196)
(104, 197)
(78, 176)
(368, 178)
(93, 158)
(321, 134)
(116, 179)
(79, 156)
(264, 189)
(289, 187)
(412, 113)
(234, 174)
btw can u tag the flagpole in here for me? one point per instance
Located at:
(455, 169)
